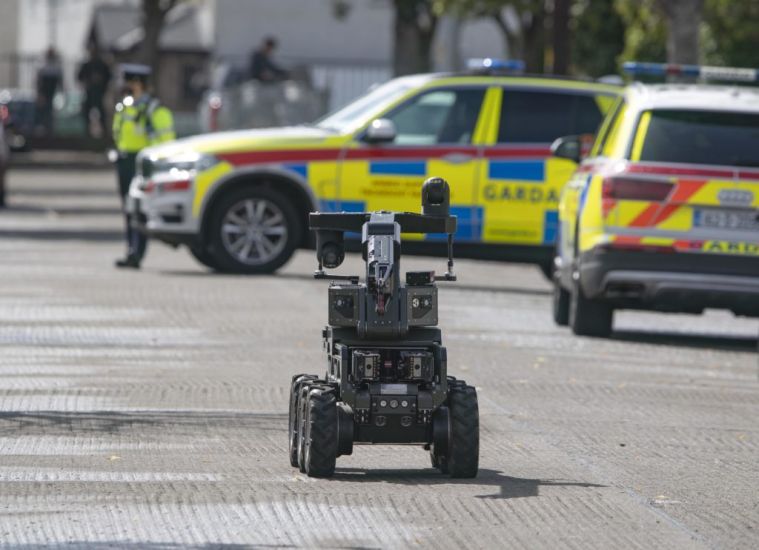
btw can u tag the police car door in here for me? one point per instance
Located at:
(435, 135)
(521, 183)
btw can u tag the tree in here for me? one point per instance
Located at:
(561, 36)
(732, 35)
(684, 19)
(414, 30)
(527, 42)
(153, 18)
(645, 32)
(598, 37)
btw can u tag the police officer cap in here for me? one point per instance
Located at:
(135, 70)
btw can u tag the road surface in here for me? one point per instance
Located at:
(148, 409)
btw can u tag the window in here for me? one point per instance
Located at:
(702, 137)
(541, 117)
(364, 108)
(438, 116)
(607, 131)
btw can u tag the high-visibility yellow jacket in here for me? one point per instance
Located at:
(140, 123)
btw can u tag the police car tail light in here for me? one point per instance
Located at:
(704, 72)
(636, 189)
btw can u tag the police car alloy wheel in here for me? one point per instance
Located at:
(254, 230)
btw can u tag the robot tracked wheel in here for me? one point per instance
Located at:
(387, 378)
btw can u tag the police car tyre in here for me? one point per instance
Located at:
(292, 419)
(321, 433)
(253, 230)
(589, 317)
(464, 453)
(560, 303)
(204, 256)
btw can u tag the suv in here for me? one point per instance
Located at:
(664, 213)
(240, 200)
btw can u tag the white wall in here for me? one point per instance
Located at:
(8, 41)
(308, 31)
(65, 28)
(345, 55)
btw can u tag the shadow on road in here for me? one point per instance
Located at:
(62, 235)
(111, 422)
(747, 344)
(507, 486)
(47, 192)
(64, 210)
(108, 545)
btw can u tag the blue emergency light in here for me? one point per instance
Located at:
(737, 74)
(492, 64)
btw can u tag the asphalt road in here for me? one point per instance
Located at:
(148, 409)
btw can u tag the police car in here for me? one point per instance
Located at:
(240, 200)
(664, 212)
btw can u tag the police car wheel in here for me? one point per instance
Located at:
(253, 230)
(589, 317)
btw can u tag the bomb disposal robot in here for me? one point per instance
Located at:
(386, 378)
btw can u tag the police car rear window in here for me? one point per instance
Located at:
(531, 116)
(702, 137)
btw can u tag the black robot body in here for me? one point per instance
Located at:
(386, 377)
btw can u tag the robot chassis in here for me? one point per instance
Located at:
(386, 379)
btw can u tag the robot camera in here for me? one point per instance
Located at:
(436, 197)
(330, 248)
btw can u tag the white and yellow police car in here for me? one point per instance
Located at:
(240, 200)
(664, 212)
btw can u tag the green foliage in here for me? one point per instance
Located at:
(732, 33)
(598, 37)
(605, 33)
(646, 31)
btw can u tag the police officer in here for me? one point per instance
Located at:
(139, 121)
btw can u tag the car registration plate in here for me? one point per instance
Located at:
(742, 220)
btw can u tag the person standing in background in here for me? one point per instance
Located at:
(139, 121)
(94, 76)
(262, 67)
(49, 81)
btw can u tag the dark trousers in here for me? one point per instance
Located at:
(136, 241)
(93, 101)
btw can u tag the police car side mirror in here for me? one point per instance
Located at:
(381, 130)
(568, 147)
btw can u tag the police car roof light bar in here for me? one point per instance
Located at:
(705, 72)
(492, 64)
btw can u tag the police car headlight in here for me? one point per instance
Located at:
(185, 163)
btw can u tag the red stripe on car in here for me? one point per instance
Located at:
(365, 153)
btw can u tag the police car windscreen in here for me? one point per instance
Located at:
(702, 137)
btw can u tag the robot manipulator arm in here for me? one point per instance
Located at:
(381, 277)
